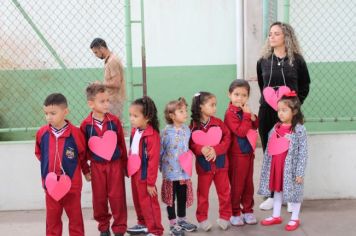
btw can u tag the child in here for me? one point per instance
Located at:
(176, 181)
(240, 120)
(145, 143)
(107, 170)
(211, 160)
(284, 161)
(60, 147)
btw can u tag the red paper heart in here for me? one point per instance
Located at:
(252, 138)
(186, 162)
(133, 164)
(210, 138)
(277, 145)
(272, 96)
(57, 188)
(104, 146)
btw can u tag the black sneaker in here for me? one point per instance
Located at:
(176, 230)
(106, 233)
(137, 229)
(189, 227)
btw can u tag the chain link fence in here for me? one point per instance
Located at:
(327, 35)
(45, 49)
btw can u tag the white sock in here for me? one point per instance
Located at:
(277, 204)
(295, 210)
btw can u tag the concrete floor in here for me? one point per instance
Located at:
(319, 218)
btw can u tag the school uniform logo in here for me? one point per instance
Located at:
(70, 154)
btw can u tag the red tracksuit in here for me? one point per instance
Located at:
(213, 171)
(147, 208)
(108, 177)
(241, 156)
(71, 150)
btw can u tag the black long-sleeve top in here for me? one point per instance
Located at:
(296, 76)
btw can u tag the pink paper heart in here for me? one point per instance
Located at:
(252, 137)
(186, 162)
(57, 188)
(210, 138)
(272, 96)
(104, 146)
(133, 164)
(277, 145)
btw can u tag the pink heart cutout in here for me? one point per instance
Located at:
(57, 189)
(210, 138)
(133, 164)
(104, 146)
(272, 96)
(252, 137)
(186, 162)
(277, 145)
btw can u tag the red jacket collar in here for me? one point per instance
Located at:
(66, 133)
(147, 132)
(233, 108)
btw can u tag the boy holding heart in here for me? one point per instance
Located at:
(243, 125)
(107, 154)
(60, 147)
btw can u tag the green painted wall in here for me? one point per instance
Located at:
(22, 92)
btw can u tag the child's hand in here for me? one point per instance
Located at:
(245, 108)
(299, 180)
(211, 155)
(152, 191)
(87, 177)
(205, 150)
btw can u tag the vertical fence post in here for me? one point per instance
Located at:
(128, 45)
(286, 11)
(143, 50)
(265, 18)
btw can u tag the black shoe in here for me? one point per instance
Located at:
(137, 229)
(189, 227)
(176, 230)
(119, 234)
(106, 233)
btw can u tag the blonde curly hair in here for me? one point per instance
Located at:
(290, 41)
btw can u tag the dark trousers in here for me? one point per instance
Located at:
(179, 191)
(267, 119)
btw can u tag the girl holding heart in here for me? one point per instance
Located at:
(280, 69)
(210, 142)
(176, 166)
(284, 162)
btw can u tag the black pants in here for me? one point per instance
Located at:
(268, 118)
(181, 192)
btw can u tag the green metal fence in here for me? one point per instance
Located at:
(45, 49)
(327, 34)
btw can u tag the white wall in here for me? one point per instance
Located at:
(331, 173)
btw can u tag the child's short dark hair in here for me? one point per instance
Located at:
(55, 99)
(149, 110)
(239, 83)
(294, 104)
(172, 106)
(93, 89)
(198, 99)
(97, 43)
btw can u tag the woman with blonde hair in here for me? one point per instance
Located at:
(281, 69)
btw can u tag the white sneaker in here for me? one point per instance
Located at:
(267, 204)
(223, 224)
(289, 207)
(205, 225)
(250, 219)
(237, 220)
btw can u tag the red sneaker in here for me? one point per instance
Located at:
(293, 227)
(274, 221)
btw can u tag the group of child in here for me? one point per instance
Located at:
(223, 153)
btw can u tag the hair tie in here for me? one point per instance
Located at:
(197, 95)
(291, 94)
